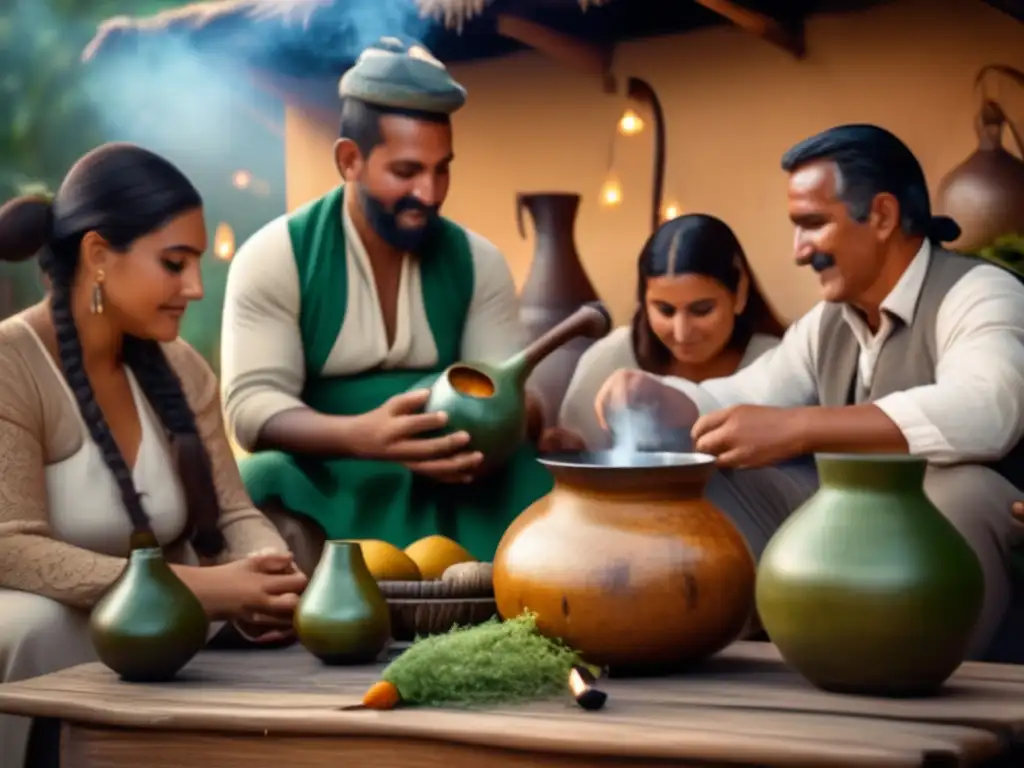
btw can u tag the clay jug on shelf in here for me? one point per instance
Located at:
(985, 193)
(149, 624)
(556, 286)
(867, 588)
(343, 617)
(488, 400)
(627, 561)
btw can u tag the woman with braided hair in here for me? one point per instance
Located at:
(110, 424)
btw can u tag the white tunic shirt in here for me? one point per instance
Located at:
(263, 365)
(975, 409)
(84, 499)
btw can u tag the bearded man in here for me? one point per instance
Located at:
(334, 315)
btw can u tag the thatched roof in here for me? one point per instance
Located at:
(319, 37)
(224, 24)
(194, 16)
(298, 13)
(323, 37)
(455, 13)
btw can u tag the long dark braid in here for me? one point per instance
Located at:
(162, 388)
(69, 347)
(122, 192)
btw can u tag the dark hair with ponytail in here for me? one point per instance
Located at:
(704, 245)
(122, 192)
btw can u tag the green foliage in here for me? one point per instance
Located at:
(1007, 251)
(55, 108)
(497, 662)
(34, 188)
(47, 120)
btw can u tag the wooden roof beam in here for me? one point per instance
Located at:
(565, 49)
(788, 37)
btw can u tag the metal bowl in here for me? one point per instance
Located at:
(624, 470)
(626, 459)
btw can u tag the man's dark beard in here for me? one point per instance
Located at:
(385, 222)
(819, 261)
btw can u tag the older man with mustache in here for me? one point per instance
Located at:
(913, 349)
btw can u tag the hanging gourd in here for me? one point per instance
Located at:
(985, 193)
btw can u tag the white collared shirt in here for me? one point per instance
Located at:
(975, 409)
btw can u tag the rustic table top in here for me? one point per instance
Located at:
(742, 706)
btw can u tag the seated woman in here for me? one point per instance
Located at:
(110, 424)
(700, 315)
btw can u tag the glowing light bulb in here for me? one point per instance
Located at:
(224, 241)
(241, 179)
(611, 192)
(670, 210)
(630, 123)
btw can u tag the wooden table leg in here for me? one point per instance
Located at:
(43, 749)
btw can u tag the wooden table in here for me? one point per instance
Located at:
(283, 709)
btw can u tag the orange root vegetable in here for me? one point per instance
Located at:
(382, 695)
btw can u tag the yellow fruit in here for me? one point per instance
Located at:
(387, 562)
(433, 555)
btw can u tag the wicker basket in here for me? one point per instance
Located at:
(434, 607)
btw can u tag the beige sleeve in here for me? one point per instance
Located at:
(601, 360)
(30, 558)
(263, 365)
(246, 530)
(493, 329)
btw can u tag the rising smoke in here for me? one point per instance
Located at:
(195, 90)
(640, 428)
(188, 91)
(187, 88)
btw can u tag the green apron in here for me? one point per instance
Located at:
(363, 499)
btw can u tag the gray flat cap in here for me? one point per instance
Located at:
(390, 73)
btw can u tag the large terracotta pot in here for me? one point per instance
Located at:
(867, 587)
(627, 562)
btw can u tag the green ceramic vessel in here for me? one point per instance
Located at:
(489, 400)
(867, 588)
(343, 617)
(149, 624)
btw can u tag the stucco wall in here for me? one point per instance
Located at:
(733, 104)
